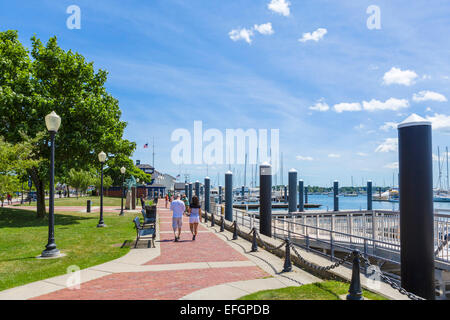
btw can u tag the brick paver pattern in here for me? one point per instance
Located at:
(168, 285)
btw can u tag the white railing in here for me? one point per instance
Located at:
(372, 230)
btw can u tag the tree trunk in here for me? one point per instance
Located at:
(40, 193)
(68, 193)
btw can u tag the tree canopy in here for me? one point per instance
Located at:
(48, 78)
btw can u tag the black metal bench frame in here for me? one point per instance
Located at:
(142, 231)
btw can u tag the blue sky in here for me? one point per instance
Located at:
(172, 62)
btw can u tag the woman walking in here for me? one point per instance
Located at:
(195, 212)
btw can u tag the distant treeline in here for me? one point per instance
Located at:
(317, 189)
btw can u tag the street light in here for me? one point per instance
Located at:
(102, 159)
(122, 171)
(52, 121)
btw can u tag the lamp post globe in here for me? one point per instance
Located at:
(102, 159)
(52, 122)
(122, 171)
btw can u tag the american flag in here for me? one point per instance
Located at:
(146, 145)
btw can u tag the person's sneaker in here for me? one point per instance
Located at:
(176, 239)
(193, 237)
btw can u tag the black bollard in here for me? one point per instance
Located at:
(213, 223)
(355, 291)
(416, 206)
(265, 199)
(229, 196)
(197, 188)
(220, 194)
(301, 206)
(292, 175)
(190, 193)
(336, 195)
(287, 258)
(222, 224)
(306, 194)
(369, 195)
(235, 236)
(254, 242)
(88, 206)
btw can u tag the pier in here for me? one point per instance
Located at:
(254, 206)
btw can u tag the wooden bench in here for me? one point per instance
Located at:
(141, 231)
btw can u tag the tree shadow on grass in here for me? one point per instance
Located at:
(17, 218)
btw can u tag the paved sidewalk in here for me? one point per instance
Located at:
(211, 267)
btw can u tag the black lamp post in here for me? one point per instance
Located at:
(52, 121)
(122, 171)
(102, 159)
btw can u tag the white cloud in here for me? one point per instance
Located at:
(315, 36)
(397, 76)
(362, 154)
(241, 34)
(320, 106)
(334, 155)
(388, 126)
(280, 6)
(442, 155)
(390, 144)
(303, 158)
(390, 104)
(359, 126)
(393, 165)
(265, 28)
(341, 107)
(440, 121)
(429, 96)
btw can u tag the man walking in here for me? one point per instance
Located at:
(177, 206)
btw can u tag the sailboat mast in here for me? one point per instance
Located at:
(448, 182)
(440, 173)
(245, 170)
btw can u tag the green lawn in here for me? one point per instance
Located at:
(327, 290)
(81, 201)
(23, 237)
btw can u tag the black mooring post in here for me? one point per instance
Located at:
(229, 196)
(265, 199)
(336, 195)
(207, 194)
(88, 206)
(416, 206)
(355, 291)
(254, 242)
(197, 188)
(369, 195)
(292, 180)
(306, 195)
(301, 206)
(190, 193)
(287, 258)
(220, 194)
(213, 222)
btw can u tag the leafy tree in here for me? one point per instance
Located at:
(80, 180)
(107, 182)
(45, 79)
(8, 184)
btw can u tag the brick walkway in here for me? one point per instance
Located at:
(170, 284)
